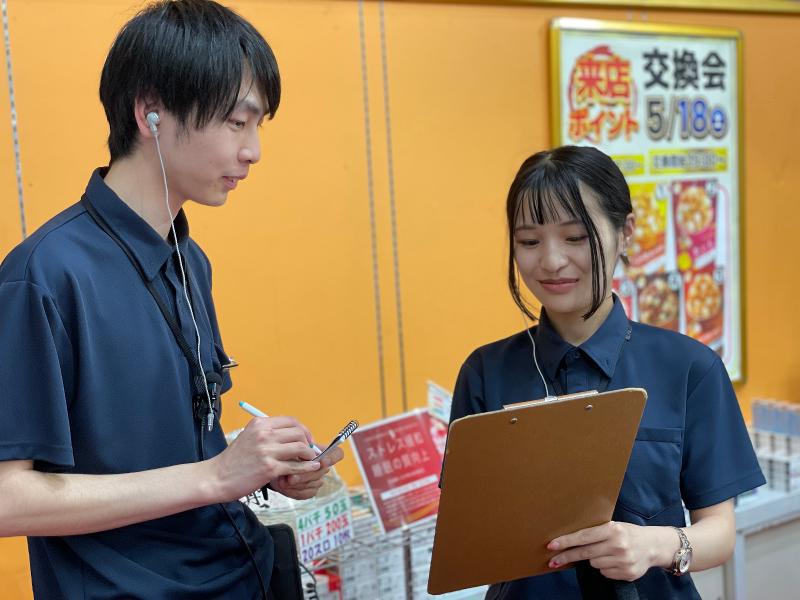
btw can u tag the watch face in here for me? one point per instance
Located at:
(686, 559)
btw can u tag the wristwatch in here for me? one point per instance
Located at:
(683, 557)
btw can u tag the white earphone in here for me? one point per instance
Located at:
(547, 395)
(152, 121)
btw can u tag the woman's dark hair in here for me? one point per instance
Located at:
(192, 55)
(547, 184)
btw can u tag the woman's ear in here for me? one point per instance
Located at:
(625, 237)
(628, 227)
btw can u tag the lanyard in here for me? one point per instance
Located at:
(199, 406)
(215, 381)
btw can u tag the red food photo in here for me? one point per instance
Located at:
(694, 205)
(704, 292)
(659, 300)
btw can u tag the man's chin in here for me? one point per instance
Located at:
(217, 200)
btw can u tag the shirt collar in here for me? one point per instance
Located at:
(550, 347)
(603, 348)
(149, 249)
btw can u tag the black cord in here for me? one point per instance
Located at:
(312, 586)
(187, 351)
(249, 552)
(261, 582)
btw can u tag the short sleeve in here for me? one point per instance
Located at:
(35, 374)
(718, 458)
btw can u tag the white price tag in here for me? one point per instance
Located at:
(324, 529)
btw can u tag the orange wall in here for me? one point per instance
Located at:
(468, 95)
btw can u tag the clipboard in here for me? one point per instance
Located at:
(515, 479)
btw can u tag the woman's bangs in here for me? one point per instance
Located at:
(542, 202)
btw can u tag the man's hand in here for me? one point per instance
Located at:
(620, 551)
(306, 485)
(267, 449)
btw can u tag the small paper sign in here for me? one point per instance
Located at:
(324, 529)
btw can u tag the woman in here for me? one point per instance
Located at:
(570, 220)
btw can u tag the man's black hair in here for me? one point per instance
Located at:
(548, 183)
(192, 56)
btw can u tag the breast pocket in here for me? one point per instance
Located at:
(652, 481)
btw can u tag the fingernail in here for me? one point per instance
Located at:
(553, 564)
(552, 546)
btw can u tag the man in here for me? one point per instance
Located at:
(112, 459)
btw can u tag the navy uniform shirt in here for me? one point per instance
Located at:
(94, 382)
(692, 444)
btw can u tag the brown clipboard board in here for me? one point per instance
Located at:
(515, 479)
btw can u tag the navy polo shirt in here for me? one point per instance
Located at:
(692, 444)
(94, 382)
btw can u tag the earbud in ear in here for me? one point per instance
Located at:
(625, 246)
(153, 121)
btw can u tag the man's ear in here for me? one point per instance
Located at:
(141, 108)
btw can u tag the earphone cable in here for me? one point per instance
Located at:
(239, 534)
(535, 362)
(183, 279)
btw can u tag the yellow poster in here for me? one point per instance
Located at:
(663, 101)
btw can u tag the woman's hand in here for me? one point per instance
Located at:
(618, 550)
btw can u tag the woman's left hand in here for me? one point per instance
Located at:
(618, 550)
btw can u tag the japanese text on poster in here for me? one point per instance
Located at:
(663, 102)
(400, 462)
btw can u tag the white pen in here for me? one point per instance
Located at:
(252, 409)
(257, 413)
(343, 434)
